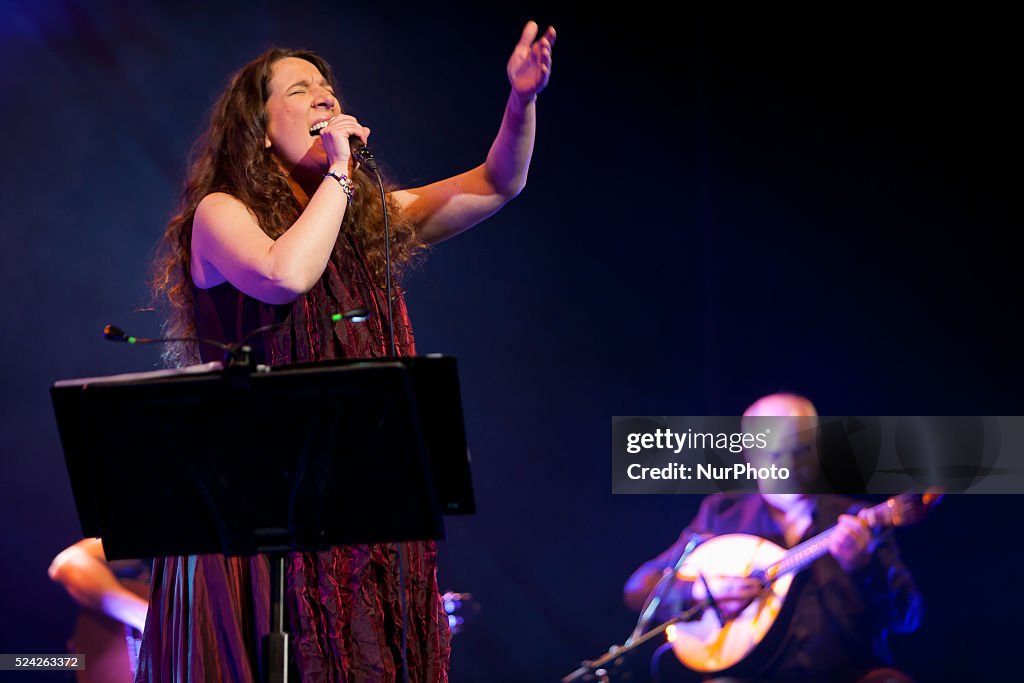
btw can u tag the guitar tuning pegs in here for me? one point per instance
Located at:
(932, 496)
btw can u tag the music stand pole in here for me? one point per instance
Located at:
(275, 643)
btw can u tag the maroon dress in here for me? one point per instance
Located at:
(208, 613)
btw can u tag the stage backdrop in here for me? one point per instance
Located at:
(721, 205)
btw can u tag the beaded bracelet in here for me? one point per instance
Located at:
(346, 185)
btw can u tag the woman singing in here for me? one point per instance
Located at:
(279, 224)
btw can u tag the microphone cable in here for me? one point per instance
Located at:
(365, 157)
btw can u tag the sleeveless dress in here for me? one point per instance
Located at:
(208, 613)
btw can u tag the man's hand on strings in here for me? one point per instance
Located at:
(851, 543)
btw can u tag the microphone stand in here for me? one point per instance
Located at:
(658, 594)
(595, 669)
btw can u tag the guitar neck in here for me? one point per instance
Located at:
(800, 556)
(883, 514)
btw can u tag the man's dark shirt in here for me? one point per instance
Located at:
(833, 624)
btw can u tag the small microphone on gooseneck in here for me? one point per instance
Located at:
(115, 333)
(235, 354)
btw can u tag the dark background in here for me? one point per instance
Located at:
(721, 205)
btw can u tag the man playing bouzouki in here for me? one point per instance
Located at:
(837, 611)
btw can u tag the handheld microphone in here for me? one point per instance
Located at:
(359, 149)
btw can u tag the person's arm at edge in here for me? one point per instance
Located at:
(82, 570)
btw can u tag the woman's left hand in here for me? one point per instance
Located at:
(529, 67)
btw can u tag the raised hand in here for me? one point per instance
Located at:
(529, 67)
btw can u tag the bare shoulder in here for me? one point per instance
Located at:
(221, 224)
(402, 197)
(223, 231)
(218, 208)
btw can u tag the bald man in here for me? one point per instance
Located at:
(843, 605)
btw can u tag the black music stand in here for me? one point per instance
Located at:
(241, 462)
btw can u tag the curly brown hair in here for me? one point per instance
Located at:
(231, 157)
